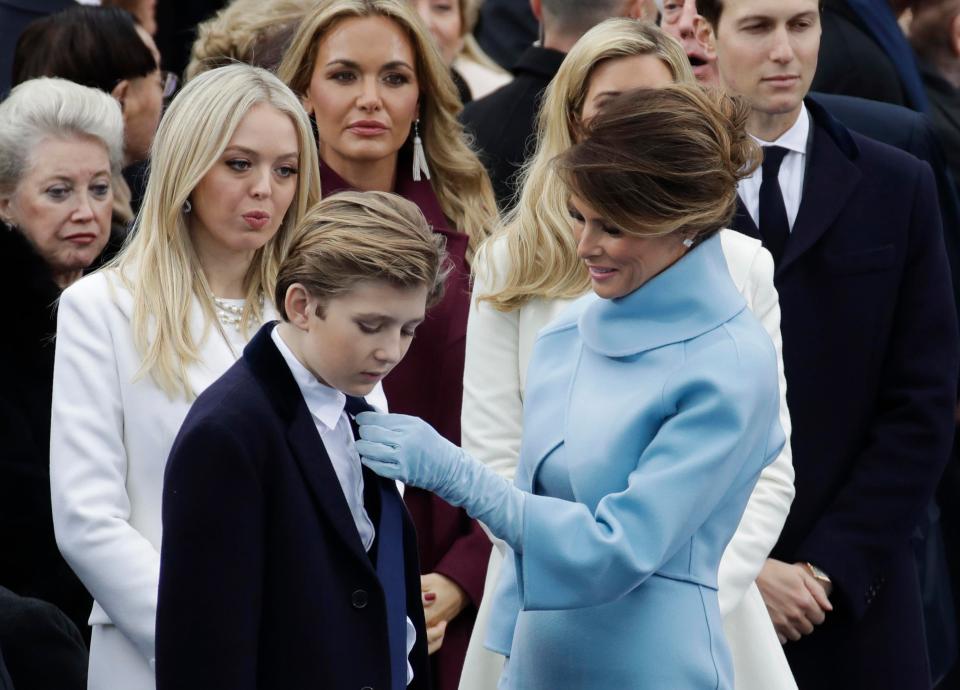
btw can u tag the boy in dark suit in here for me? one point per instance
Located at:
(284, 563)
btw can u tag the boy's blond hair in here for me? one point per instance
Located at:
(351, 237)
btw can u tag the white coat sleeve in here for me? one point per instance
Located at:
(770, 501)
(492, 416)
(88, 468)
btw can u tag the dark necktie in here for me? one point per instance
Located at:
(390, 563)
(774, 225)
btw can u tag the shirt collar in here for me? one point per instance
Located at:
(795, 138)
(325, 403)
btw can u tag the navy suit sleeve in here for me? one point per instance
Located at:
(211, 562)
(906, 448)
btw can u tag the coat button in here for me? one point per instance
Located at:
(359, 599)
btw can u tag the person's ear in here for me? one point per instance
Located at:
(644, 10)
(6, 210)
(121, 91)
(307, 104)
(298, 305)
(536, 6)
(705, 36)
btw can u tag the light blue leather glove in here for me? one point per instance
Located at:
(406, 448)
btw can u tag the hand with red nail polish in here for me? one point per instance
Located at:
(443, 600)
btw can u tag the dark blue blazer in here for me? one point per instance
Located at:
(912, 132)
(264, 582)
(15, 15)
(870, 349)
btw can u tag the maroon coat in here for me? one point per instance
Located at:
(428, 383)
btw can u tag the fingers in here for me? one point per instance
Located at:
(379, 434)
(372, 450)
(818, 593)
(435, 636)
(382, 419)
(389, 470)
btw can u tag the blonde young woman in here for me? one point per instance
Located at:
(529, 271)
(234, 169)
(385, 110)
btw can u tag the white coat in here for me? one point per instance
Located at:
(111, 432)
(499, 345)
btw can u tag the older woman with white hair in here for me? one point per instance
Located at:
(60, 145)
(234, 168)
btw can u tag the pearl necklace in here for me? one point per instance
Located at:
(229, 313)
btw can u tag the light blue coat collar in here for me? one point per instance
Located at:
(693, 296)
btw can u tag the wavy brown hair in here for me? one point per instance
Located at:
(536, 232)
(660, 161)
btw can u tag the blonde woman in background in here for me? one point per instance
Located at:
(451, 23)
(256, 32)
(529, 272)
(386, 110)
(234, 169)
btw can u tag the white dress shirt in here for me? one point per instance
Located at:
(791, 171)
(326, 406)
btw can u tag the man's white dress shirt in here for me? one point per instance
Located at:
(791, 171)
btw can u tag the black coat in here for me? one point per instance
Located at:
(177, 22)
(870, 349)
(30, 563)
(264, 582)
(913, 132)
(852, 62)
(505, 29)
(42, 648)
(5, 682)
(919, 136)
(503, 122)
(945, 113)
(15, 15)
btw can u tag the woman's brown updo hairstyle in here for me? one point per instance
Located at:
(659, 161)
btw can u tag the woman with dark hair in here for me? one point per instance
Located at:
(650, 409)
(104, 48)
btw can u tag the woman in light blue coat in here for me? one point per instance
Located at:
(651, 408)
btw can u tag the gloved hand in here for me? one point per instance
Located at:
(406, 448)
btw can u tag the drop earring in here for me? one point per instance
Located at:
(187, 207)
(419, 155)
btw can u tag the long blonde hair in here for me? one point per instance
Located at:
(541, 247)
(459, 179)
(158, 264)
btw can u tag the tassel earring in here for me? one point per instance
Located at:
(419, 156)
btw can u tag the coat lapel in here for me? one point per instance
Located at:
(743, 223)
(267, 365)
(311, 456)
(830, 180)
